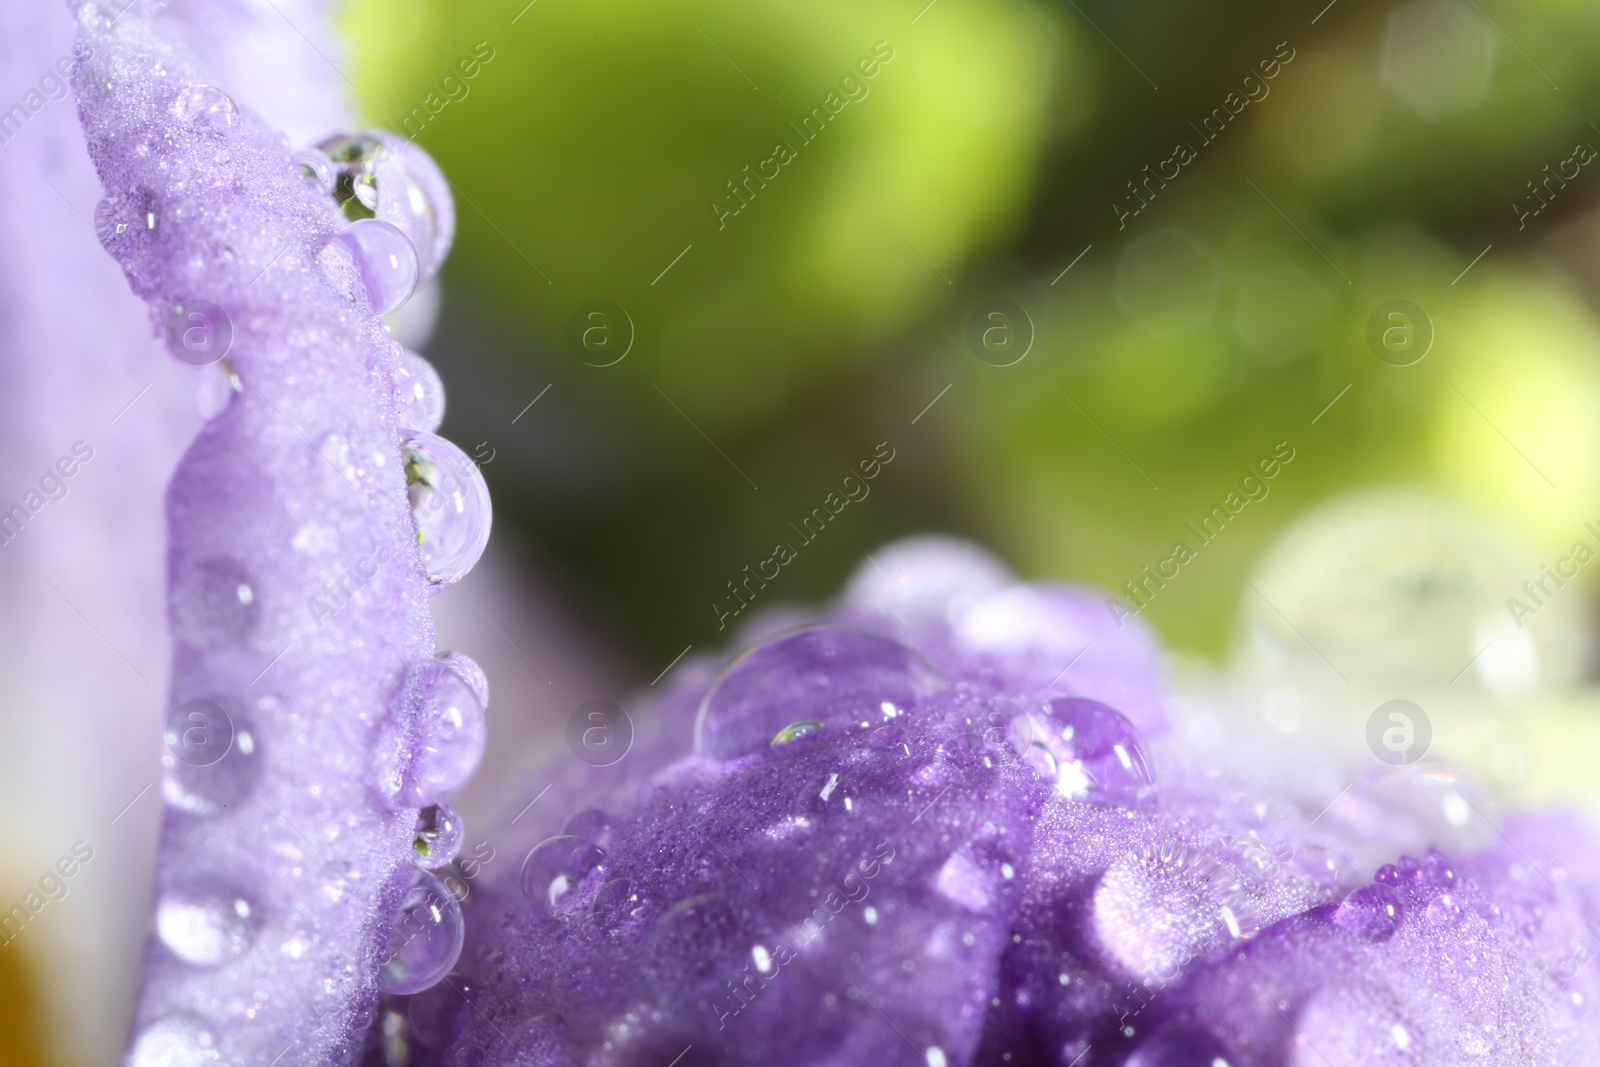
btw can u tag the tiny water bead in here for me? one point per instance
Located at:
(214, 602)
(121, 220)
(387, 261)
(206, 922)
(206, 105)
(180, 1040)
(555, 866)
(209, 788)
(421, 392)
(454, 733)
(440, 832)
(450, 503)
(425, 938)
(382, 176)
(1090, 751)
(827, 675)
(1372, 912)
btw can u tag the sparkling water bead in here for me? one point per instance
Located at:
(468, 668)
(315, 167)
(421, 393)
(1372, 912)
(125, 221)
(214, 603)
(1155, 912)
(451, 504)
(453, 734)
(206, 105)
(180, 1040)
(1098, 754)
(828, 675)
(379, 175)
(555, 866)
(440, 832)
(387, 261)
(206, 922)
(425, 938)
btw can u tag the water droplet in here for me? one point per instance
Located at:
(591, 824)
(174, 1041)
(387, 261)
(1372, 912)
(214, 603)
(1445, 910)
(450, 503)
(1156, 911)
(124, 220)
(425, 938)
(556, 866)
(440, 832)
(421, 393)
(468, 668)
(1099, 756)
(928, 582)
(315, 167)
(454, 733)
(978, 877)
(834, 675)
(616, 901)
(383, 176)
(697, 937)
(1180, 1045)
(828, 793)
(213, 759)
(215, 389)
(794, 731)
(206, 105)
(207, 923)
(934, 1057)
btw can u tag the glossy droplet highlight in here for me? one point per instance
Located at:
(1099, 756)
(174, 1041)
(440, 832)
(124, 221)
(207, 923)
(315, 167)
(592, 824)
(468, 668)
(794, 731)
(555, 866)
(454, 734)
(1372, 912)
(212, 783)
(425, 938)
(387, 262)
(214, 603)
(206, 105)
(421, 393)
(450, 503)
(378, 175)
(829, 675)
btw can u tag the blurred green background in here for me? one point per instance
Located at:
(1335, 157)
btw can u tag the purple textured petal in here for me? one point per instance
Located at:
(298, 475)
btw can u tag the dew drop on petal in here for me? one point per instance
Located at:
(831, 675)
(207, 923)
(450, 503)
(214, 603)
(1099, 755)
(616, 901)
(206, 105)
(555, 866)
(592, 824)
(454, 734)
(425, 938)
(212, 763)
(381, 175)
(794, 731)
(421, 393)
(1156, 911)
(315, 167)
(440, 832)
(387, 262)
(1372, 912)
(174, 1041)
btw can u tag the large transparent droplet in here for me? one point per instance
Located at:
(450, 503)
(180, 1040)
(383, 176)
(421, 392)
(214, 602)
(832, 675)
(453, 731)
(212, 763)
(386, 260)
(124, 223)
(556, 866)
(206, 922)
(1372, 912)
(1091, 751)
(926, 581)
(438, 837)
(206, 105)
(315, 168)
(468, 668)
(425, 938)
(1157, 911)
(1410, 591)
